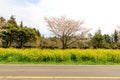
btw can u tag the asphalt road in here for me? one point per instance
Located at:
(59, 72)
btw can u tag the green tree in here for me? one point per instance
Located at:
(115, 36)
(24, 35)
(98, 39)
(107, 41)
(2, 21)
(12, 22)
(16, 34)
(12, 26)
(3, 25)
(6, 39)
(107, 38)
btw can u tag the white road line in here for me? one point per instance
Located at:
(50, 77)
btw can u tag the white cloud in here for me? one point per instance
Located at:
(96, 13)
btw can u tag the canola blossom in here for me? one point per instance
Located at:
(68, 56)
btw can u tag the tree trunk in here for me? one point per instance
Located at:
(64, 43)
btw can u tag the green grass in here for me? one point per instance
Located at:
(57, 56)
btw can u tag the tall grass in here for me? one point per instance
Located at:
(69, 56)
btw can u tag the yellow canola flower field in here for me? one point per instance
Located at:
(68, 56)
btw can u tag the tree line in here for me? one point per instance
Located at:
(67, 33)
(14, 35)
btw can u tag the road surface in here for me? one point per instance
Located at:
(58, 72)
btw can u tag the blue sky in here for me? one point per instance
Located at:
(103, 14)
